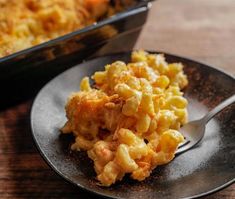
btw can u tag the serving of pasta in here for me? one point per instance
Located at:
(128, 120)
(26, 23)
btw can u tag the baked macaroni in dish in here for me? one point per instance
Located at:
(26, 23)
(128, 121)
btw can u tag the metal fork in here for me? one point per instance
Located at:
(194, 131)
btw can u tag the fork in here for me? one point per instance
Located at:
(194, 131)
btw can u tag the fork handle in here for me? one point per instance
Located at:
(218, 108)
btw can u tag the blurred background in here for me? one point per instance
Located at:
(200, 29)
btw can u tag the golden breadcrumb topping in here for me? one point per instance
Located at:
(26, 23)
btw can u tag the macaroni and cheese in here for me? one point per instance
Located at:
(128, 121)
(26, 23)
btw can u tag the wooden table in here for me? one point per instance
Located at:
(204, 30)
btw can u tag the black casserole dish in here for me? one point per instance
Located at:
(26, 70)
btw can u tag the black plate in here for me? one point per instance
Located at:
(200, 171)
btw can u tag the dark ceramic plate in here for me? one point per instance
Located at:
(203, 170)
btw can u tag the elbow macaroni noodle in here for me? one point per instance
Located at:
(129, 122)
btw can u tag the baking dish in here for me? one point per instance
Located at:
(29, 69)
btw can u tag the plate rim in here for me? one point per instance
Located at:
(99, 193)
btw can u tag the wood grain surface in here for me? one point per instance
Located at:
(199, 29)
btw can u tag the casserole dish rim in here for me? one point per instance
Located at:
(140, 7)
